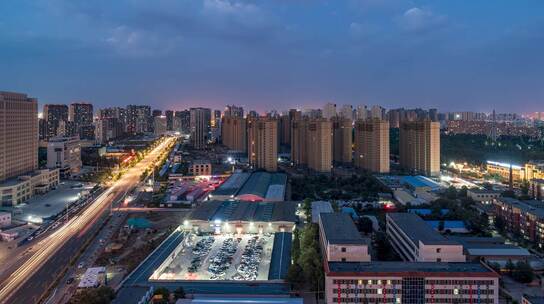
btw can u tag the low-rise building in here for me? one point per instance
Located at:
(64, 153)
(319, 207)
(536, 189)
(491, 250)
(340, 239)
(15, 191)
(525, 218)
(242, 217)
(527, 299)
(255, 187)
(416, 241)
(483, 195)
(200, 167)
(418, 282)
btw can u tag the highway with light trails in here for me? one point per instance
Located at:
(13, 287)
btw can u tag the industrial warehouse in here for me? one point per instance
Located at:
(255, 187)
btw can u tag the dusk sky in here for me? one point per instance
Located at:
(452, 55)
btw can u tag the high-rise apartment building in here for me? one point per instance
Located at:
(54, 114)
(169, 120)
(234, 133)
(234, 111)
(346, 112)
(372, 145)
(299, 155)
(18, 134)
(200, 127)
(156, 112)
(342, 139)
(185, 121)
(319, 144)
(107, 128)
(329, 110)
(420, 147)
(263, 143)
(81, 114)
(138, 119)
(377, 112)
(160, 125)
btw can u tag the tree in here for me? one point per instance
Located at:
(295, 276)
(523, 272)
(500, 225)
(364, 224)
(510, 267)
(451, 193)
(179, 293)
(307, 207)
(441, 225)
(100, 295)
(295, 250)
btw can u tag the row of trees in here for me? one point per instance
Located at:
(364, 187)
(306, 272)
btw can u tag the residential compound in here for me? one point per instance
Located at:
(372, 145)
(420, 147)
(412, 239)
(19, 178)
(350, 280)
(262, 146)
(525, 218)
(311, 144)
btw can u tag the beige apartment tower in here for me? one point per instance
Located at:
(319, 145)
(263, 143)
(298, 141)
(342, 139)
(372, 145)
(420, 147)
(18, 134)
(234, 133)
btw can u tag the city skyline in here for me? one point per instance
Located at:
(176, 54)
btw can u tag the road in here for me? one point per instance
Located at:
(26, 283)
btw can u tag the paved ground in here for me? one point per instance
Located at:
(177, 269)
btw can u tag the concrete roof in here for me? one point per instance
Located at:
(339, 229)
(244, 211)
(417, 230)
(380, 266)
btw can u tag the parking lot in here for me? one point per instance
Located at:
(221, 257)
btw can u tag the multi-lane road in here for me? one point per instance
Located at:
(28, 279)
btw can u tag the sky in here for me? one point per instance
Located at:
(455, 55)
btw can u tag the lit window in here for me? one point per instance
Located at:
(380, 291)
(455, 291)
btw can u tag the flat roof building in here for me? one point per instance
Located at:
(242, 217)
(416, 241)
(523, 217)
(419, 282)
(256, 186)
(340, 239)
(319, 207)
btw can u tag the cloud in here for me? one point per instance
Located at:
(140, 43)
(360, 30)
(419, 20)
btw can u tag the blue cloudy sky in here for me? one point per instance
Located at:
(277, 54)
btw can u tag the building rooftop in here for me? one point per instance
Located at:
(319, 207)
(264, 185)
(532, 206)
(420, 181)
(339, 229)
(418, 230)
(493, 246)
(244, 211)
(412, 268)
(534, 299)
(233, 184)
(483, 191)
